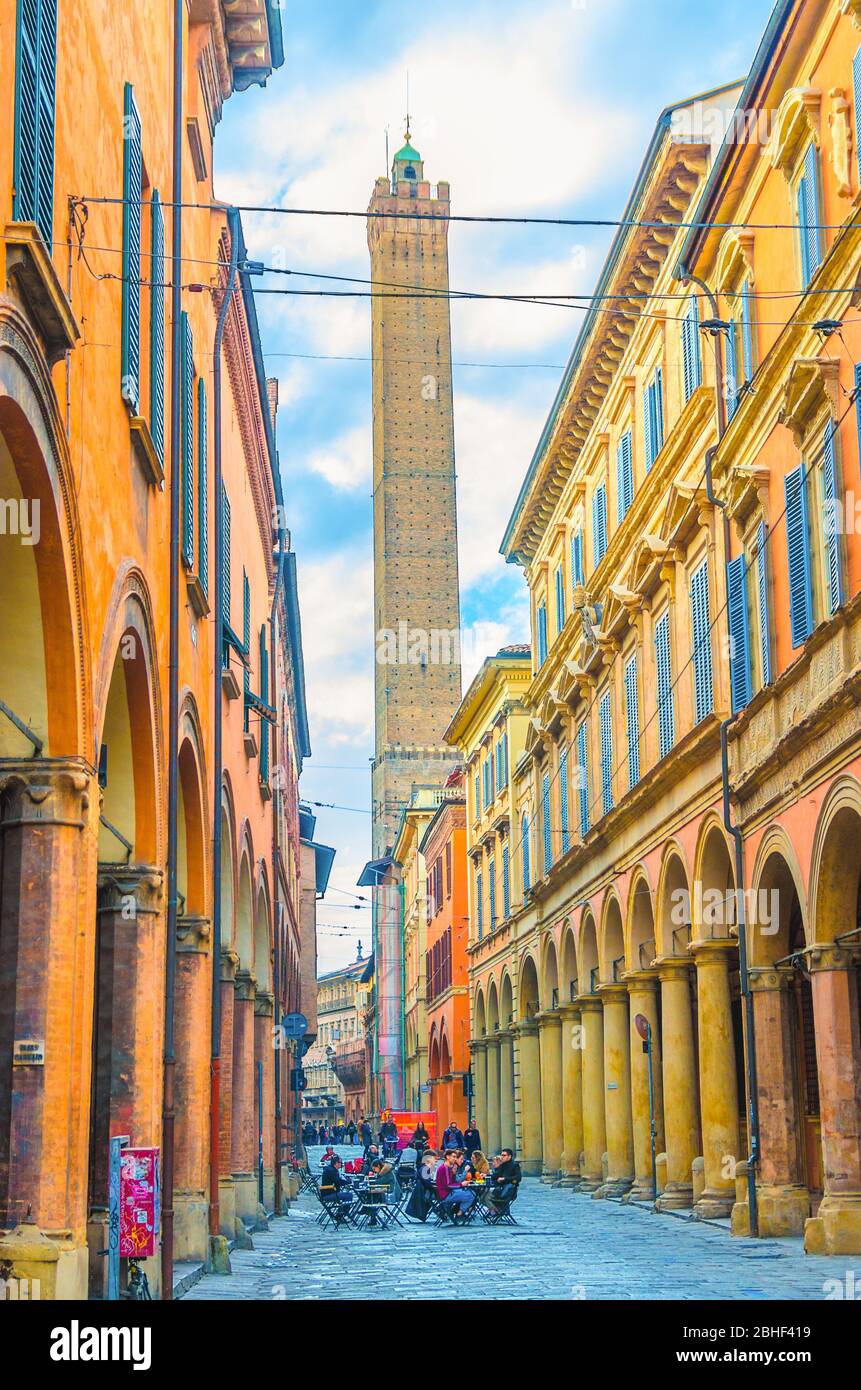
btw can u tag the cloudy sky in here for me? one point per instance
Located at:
(527, 107)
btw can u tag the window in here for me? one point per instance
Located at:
(577, 572)
(666, 696)
(545, 822)
(542, 633)
(808, 207)
(491, 888)
(488, 784)
(156, 329)
(739, 633)
(187, 443)
(632, 714)
(739, 349)
(264, 695)
(524, 843)
(502, 763)
(506, 882)
(35, 69)
(582, 781)
(798, 555)
(479, 904)
(605, 719)
(225, 550)
(599, 525)
(563, 801)
(202, 499)
(831, 521)
(702, 642)
(691, 349)
(131, 262)
(624, 475)
(560, 599)
(653, 417)
(856, 91)
(763, 603)
(477, 796)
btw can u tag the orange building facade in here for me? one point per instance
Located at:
(89, 447)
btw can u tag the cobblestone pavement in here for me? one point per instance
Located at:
(565, 1246)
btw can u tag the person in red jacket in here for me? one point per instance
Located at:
(455, 1198)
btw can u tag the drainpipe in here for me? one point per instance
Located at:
(217, 742)
(749, 1036)
(276, 858)
(169, 1055)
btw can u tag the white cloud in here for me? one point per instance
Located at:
(346, 462)
(336, 594)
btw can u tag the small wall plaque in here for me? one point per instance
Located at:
(28, 1052)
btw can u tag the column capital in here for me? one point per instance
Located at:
(549, 1018)
(193, 935)
(831, 955)
(246, 985)
(770, 979)
(711, 949)
(645, 980)
(48, 791)
(570, 1010)
(477, 1045)
(505, 1034)
(264, 1004)
(526, 1027)
(227, 967)
(492, 1039)
(130, 890)
(613, 990)
(589, 1003)
(672, 967)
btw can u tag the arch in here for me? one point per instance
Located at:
(713, 907)
(127, 743)
(492, 1009)
(262, 936)
(776, 906)
(612, 940)
(43, 622)
(193, 830)
(480, 1028)
(434, 1058)
(588, 953)
(641, 946)
(527, 991)
(569, 984)
(243, 943)
(835, 872)
(673, 914)
(506, 1000)
(444, 1056)
(550, 976)
(228, 866)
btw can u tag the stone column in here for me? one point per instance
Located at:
(617, 1091)
(783, 1201)
(529, 1095)
(243, 1146)
(264, 1012)
(191, 1163)
(681, 1108)
(550, 1045)
(493, 1125)
(572, 1094)
(226, 1189)
(478, 1052)
(506, 1091)
(718, 1085)
(594, 1114)
(643, 999)
(48, 848)
(836, 1229)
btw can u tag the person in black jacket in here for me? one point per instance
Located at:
(424, 1189)
(506, 1178)
(365, 1132)
(471, 1141)
(453, 1138)
(334, 1187)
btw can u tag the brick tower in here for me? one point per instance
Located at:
(416, 600)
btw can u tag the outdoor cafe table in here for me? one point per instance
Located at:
(481, 1189)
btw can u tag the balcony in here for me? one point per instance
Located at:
(348, 1064)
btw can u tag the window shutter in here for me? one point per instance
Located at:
(582, 781)
(658, 395)
(477, 790)
(504, 747)
(704, 697)
(577, 574)
(156, 329)
(606, 726)
(858, 405)
(35, 99)
(831, 526)
(856, 89)
(691, 351)
(666, 694)
(731, 371)
(202, 486)
(491, 889)
(560, 599)
(798, 555)
(264, 695)
(624, 474)
(813, 232)
(524, 841)
(801, 205)
(649, 426)
(225, 552)
(506, 882)
(739, 633)
(479, 903)
(542, 633)
(565, 826)
(246, 642)
(545, 822)
(187, 443)
(632, 711)
(599, 524)
(747, 331)
(131, 293)
(762, 595)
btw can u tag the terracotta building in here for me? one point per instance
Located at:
(110, 416)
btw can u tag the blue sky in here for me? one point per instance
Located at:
(528, 107)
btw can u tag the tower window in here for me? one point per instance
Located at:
(409, 172)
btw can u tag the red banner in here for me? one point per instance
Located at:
(406, 1121)
(140, 1203)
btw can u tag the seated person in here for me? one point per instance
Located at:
(424, 1187)
(382, 1173)
(464, 1172)
(455, 1199)
(505, 1179)
(369, 1157)
(409, 1156)
(334, 1187)
(480, 1165)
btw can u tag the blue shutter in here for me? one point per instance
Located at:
(605, 719)
(813, 232)
(202, 486)
(479, 903)
(156, 329)
(246, 641)
(560, 599)
(131, 295)
(703, 693)
(542, 633)
(691, 350)
(731, 371)
(577, 572)
(856, 88)
(506, 882)
(565, 825)
(264, 695)
(801, 207)
(798, 556)
(632, 712)
(739, 633)
(658, 397)
(477, 789)
(491, 890)
(599, 524)
(649, 426)
(35, 94)
(665, 693)
(187, 443)
(831, 521)
(762, 596)
(582, 781)
(545, 822)
(624, 474)
(524, 842)
(858, 406)
(225, 554)
(747, 331)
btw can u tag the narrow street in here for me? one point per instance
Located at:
(565, 1246)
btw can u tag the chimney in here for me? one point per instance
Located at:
(272, 394)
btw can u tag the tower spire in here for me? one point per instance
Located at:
(407, 132)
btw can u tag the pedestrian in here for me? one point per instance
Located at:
(389, 1137)
(453, 1138)
(365, 1132)
(420, 1139)
(351, 1131)
(471, 1140)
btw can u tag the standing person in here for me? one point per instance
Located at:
(351, 1131)
(420, 1139)
(471, 1140)
(453, 1138)
(365, 1132)
(389, 1137)
(455, 1198)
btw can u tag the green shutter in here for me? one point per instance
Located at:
(225, 556)
(187, 443)
(798, 556)
(202, 485)
(739, 633)
(605, 722)
(35, 100)
(246, 642)
(132, 194)
(156, 330)
(703, 691)
(264, 695)
(665, 694)
(632, 715)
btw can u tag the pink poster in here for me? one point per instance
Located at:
(140, 1200)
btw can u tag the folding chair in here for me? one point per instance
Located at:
(499, 1213)
(333, 1212)
(308, 1183)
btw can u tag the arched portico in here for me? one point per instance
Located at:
(643, 991)
(592, 1022)
(680, 1070)
(529, 1065)
(613, 993)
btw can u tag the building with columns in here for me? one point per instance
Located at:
(102, 967)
